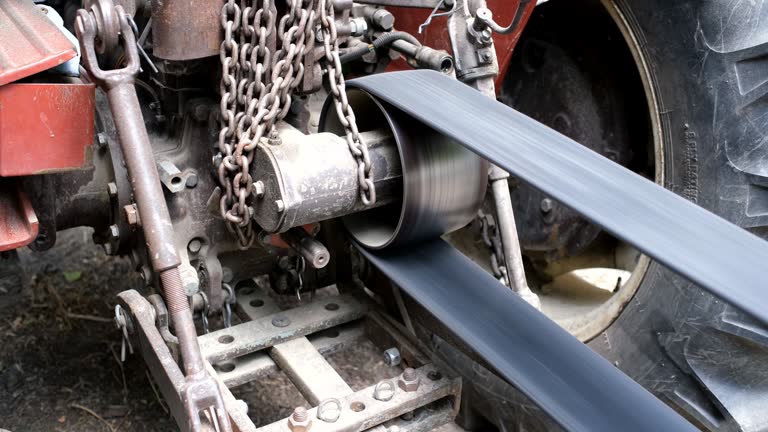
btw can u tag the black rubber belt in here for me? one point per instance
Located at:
(717, 255)
(579, 389)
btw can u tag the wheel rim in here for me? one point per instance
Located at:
(579, 290)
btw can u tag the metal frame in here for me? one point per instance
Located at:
(259, 348)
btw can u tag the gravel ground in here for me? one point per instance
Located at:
(59, 361)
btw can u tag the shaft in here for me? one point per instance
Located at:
(155, 219)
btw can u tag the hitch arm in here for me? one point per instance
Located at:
(201, 391)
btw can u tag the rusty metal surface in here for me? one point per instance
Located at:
(45, 127)
(252, 366)
(283, 326)
(361, 411)
(29, 42)
(186, 29)
(201, 391)
(312, 375)
(18, 221)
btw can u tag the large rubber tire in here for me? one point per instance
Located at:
(706, 67)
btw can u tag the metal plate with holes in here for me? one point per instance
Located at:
(360, 411)
(280, 327)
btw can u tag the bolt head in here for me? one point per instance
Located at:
(194, 245)
(101, 139)
(299, 421)
(546, 205)
(259, 189)
(114, 232)
(191, 181)
(409, 381)
(392, 357)
(280, 206)
(112, 189)
(131, 214)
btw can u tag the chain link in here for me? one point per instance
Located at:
(257, 82)
(344, 111)
(491, 236)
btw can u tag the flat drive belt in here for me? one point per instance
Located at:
(577, 387)
(717, 255)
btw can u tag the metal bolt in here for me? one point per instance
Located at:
(101, 139)
(112, 189)
(280, 206)
(258, 189)
(281, 321)
(299, 420)
(546, 205)
(191, 181)
(409, 380)
(274, 138)
(132, 215)
(194, 245)
(383, 19)
(329, 410)
(392, 357)
(114, 232)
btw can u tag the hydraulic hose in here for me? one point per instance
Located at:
(382, 41)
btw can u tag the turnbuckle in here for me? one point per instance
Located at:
(201, 391)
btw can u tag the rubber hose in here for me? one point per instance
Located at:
(381, 41)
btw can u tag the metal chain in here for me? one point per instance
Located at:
(256, 87)
(257, 82)
(344, 111)
(492, 238)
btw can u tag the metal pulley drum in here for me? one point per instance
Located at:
(427, 184)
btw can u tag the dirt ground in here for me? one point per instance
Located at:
(60, 366)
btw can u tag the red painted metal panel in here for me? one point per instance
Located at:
(29, 42)
(18, 221)
(436, 34)
(45, 127)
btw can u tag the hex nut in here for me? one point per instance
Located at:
(392, 357)
(409, 380)
(299, 421)
(132, 215)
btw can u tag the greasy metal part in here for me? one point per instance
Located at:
(443, 184)
(369, 412)
(244, 369)
(424, 57)
(510, 243)
(474, 53)
(29, 42)
(166, 372)
(726, 261)
(264, 332)
(311, 178)
(185, 31)
(170, 176)
(425, 4)
(573, 384)
(201, 391)
(315, 254)
(312, 375)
